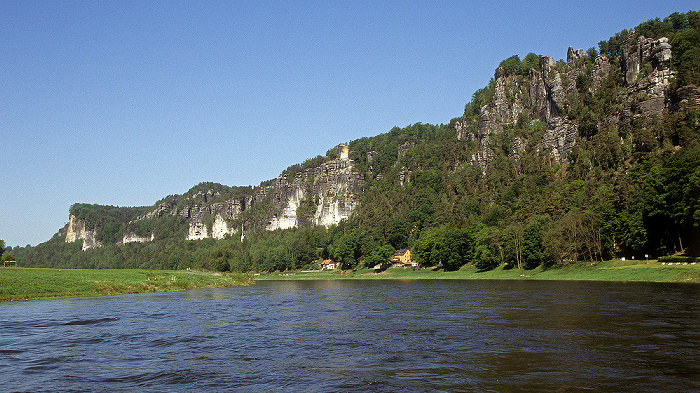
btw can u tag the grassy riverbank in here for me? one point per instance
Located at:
(651, 271)
(26, 283)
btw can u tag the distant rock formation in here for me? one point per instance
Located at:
(545, 95)
(131, 237)
(75, 230)
(331, 192)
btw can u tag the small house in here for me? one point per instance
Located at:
(329, 264)
(402, 258)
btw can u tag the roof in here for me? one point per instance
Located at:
(327, 262)
(401, 251)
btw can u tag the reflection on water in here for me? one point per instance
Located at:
(322, 336)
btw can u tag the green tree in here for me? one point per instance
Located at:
(449, 248)
(379, 255)
(346, 250)
(513, 235)
(488, 250)
(531, 60)
(220, 259)
(8, 256)
(532, 249)
(510, 65)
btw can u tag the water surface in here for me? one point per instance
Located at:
(328, 336)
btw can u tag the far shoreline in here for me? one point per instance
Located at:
(18, 283)
(616, 270)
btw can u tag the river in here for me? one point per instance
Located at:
(361, 335)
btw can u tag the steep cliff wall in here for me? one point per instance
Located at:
(75, 230)
(330, 192)
(549, 92)
(219, 228)
(320, 195)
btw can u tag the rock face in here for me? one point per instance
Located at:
(687, 97)
(646, 68)
(322, 195)
(546, 94)
(222, 212)
(131, 237)
(638, 51)
(75, 230)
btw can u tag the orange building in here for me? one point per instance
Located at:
(328, 264)
(402, 257)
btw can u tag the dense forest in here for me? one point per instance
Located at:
(629, 188)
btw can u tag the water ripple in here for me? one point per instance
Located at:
(327, 336)
(81, 322)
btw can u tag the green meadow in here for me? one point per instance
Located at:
(18, 283)
(651, 271)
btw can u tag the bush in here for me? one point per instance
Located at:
(676, 258)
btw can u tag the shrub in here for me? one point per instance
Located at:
(676, 258)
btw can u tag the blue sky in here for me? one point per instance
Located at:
(123, 103)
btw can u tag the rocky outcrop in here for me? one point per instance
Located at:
(329, 194)
(462, 131)
(505, 107)
(131, 237)
(163, 208)
(404, 176)
(404, 148)
(560, 137)
(687, 98)
(322, 195)
(222, 228)
(646, 68)
(542, 96)
(76, 230)
(546, 94)
(287, 196)
(223, 214)
(639, 51)
(482, 158)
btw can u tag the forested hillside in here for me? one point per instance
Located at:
(560, 162)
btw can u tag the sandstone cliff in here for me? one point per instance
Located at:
(322, 194)
(131, 237)
(75, 230)
(330, 193)
(548, 93)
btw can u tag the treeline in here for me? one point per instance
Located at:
(258, 251)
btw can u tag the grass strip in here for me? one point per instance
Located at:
(649, 271)
(18, 283)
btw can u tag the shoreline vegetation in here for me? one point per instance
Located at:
(17, 283)
(615, 270)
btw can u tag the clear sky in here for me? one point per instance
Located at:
(123, 103)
